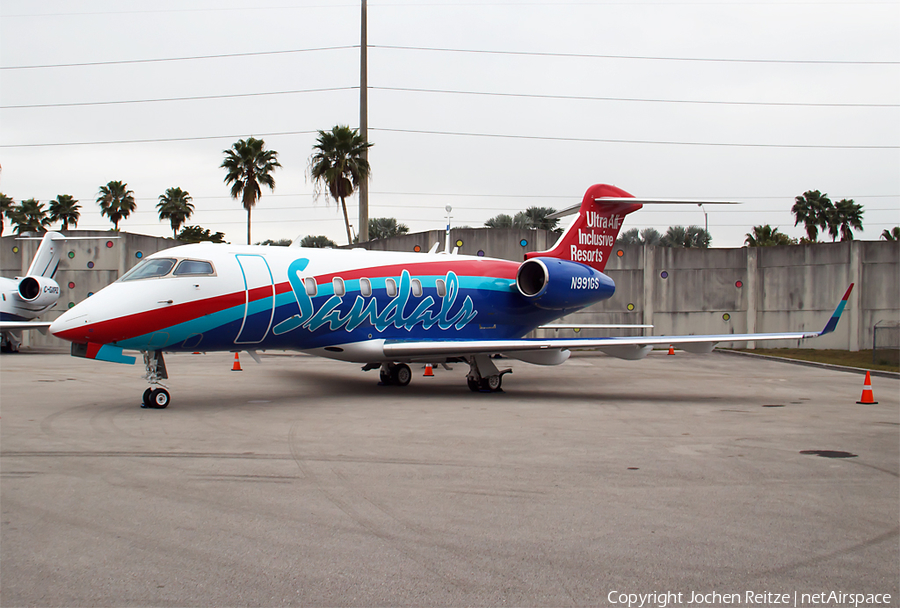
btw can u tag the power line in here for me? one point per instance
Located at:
(634, 141)
(456, 92)
(631, 57)
(163, 59)
(464, 134)
(160, 99)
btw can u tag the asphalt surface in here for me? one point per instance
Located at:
(302, 482)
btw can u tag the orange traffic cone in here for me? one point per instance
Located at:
(868, 397)
(428, 371)
(237, 364)
(671, 349)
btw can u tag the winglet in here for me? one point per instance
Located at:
(836, 316)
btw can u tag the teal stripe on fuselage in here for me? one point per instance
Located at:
(201, 325)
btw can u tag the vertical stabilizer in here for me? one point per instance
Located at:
(591, 238)
(46, 260)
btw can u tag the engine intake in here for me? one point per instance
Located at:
(38, 291)
(555, 284)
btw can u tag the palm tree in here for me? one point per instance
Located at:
(337, 163)
(629, 237)
(539, 220)
(248, 166)
(674, 237)
(385, 227)
(175, 206)
(843, 218)
(766, 236)
(196, 234)
(30, 216)
(812, 209)
(650, 236)
(697, 237)
(319, 242)
(116, 202)
(64, 208)
(891, 235)
(6, 205)
(502, 220)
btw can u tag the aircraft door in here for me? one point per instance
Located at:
(259, 302)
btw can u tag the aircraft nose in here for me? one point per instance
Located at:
(71, 325)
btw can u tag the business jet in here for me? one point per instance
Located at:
(382, 309)
(23, 299)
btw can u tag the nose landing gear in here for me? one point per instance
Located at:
(156, 396)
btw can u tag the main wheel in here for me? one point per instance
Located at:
(401, 375)
(474, 385)
(492, 383)
(159, 398)
(145, 400)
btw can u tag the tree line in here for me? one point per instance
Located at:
(337, 168)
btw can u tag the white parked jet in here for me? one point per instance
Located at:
(383, 309)
(23, 299)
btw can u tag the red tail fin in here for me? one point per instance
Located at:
(590, 239)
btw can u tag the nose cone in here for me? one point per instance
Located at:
(72, 324)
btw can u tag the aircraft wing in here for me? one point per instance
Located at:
(626, 347)
(7, 325)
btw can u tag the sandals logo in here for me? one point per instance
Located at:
(364, 310)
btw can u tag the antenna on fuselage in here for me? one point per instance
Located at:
(448, 208)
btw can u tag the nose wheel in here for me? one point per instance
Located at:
(156, 396)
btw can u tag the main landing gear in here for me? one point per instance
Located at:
(397, 374)
(483, 376)
(156, 396)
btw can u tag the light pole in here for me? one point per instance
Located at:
(363, 125)
(705, 218)
(448, 208)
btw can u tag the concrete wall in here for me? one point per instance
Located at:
(86, 266)
(679, 291)
(719, 291)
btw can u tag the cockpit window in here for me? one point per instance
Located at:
(150, 268)
(193, 267)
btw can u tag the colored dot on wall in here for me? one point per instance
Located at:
(459, 243)
(71, 284)
(523, 243)
(15, 250)
(139, 255)
(620, 253)
(109, 244)
(726, 316)
(481, 252)
(664, 274)
(71, 304)
(71, 255)
(90, 264)
(90, 293)
(417, 249)
(738, 284)
(630, 306)
(577, 329)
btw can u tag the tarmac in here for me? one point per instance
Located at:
(303, 482)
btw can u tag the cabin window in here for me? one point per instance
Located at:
(416, 288)
(149, 268)
(365, 287)
(337, 283)
(390, 285)
(311, 288)
(441, 288)
(193, 267)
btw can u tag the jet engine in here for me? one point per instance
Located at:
(555, 284)
(38, 291)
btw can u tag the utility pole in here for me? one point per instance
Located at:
(363, 126)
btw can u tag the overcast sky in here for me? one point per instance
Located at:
(490, 107)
